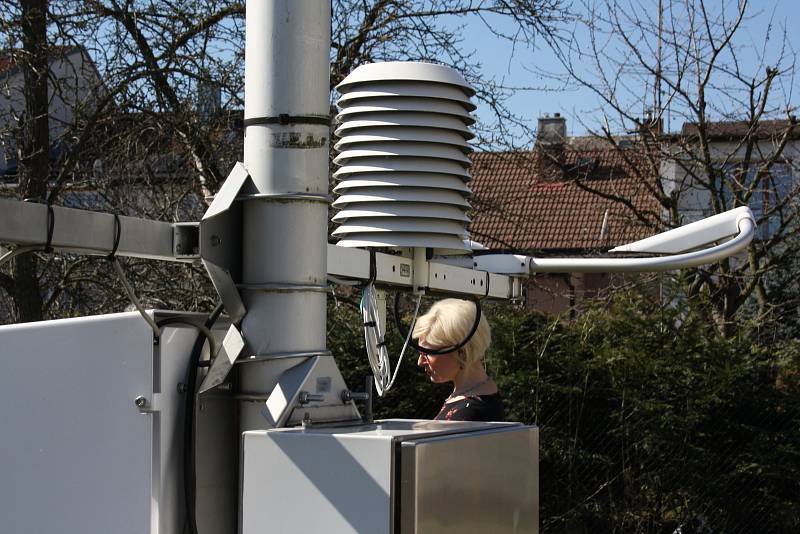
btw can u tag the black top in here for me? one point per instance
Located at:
(473, 408)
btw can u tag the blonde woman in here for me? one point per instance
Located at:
(440, 336)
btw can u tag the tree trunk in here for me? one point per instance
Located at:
(34, 144)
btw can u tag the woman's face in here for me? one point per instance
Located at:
(440, 368)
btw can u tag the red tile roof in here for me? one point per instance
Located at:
(522, 204)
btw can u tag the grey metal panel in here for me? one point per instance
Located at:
(471, 483)
(217, 454)
(75, 452)
(174, 348)
(296, 482)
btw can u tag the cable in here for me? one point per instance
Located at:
(212, 343)
(375, 341)
(443, 350)
(132, 296)
(189, 453)
(11, 254)
(405, 343)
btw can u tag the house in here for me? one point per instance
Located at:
(73, 87)
(573, 196)
(559, 200)
(758, 163)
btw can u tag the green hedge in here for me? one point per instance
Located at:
(650, 422)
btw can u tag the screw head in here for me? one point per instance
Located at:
(140, 401)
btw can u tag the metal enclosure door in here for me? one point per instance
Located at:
(75, 451)
(76, 454)
(471, 483)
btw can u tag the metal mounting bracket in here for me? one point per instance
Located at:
(221, 240)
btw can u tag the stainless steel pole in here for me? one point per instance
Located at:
(286, 153)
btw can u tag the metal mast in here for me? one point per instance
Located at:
(285, 220)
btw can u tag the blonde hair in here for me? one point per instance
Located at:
(448, 322)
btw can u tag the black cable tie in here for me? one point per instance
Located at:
(285, 119)
(51, 225)
(117, 235)
(370, 323)
(373, 268)
(51, 221)
(381, 344)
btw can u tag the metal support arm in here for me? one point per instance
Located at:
(739, 223)
(399, 271)
(89, 232)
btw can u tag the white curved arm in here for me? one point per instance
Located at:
(516, 264)
(693, 235)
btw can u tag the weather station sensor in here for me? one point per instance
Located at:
(163, 422)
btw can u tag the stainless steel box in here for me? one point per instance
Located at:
(394, 476)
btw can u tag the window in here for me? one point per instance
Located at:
(769, 193)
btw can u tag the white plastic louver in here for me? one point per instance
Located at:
(403, 157)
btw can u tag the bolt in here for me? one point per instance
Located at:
(140, 401)
(215, 240)
(181, 388)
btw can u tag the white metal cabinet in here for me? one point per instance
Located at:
(76, 453)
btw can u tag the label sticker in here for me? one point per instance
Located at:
(323, 384)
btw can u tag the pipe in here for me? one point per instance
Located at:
(641, 265)
(706, 231)
(286, 153)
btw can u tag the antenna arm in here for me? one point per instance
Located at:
(525, 265)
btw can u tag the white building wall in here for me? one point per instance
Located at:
(695, 199)
(72, 87)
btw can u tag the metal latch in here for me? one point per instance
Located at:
(146, 405)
